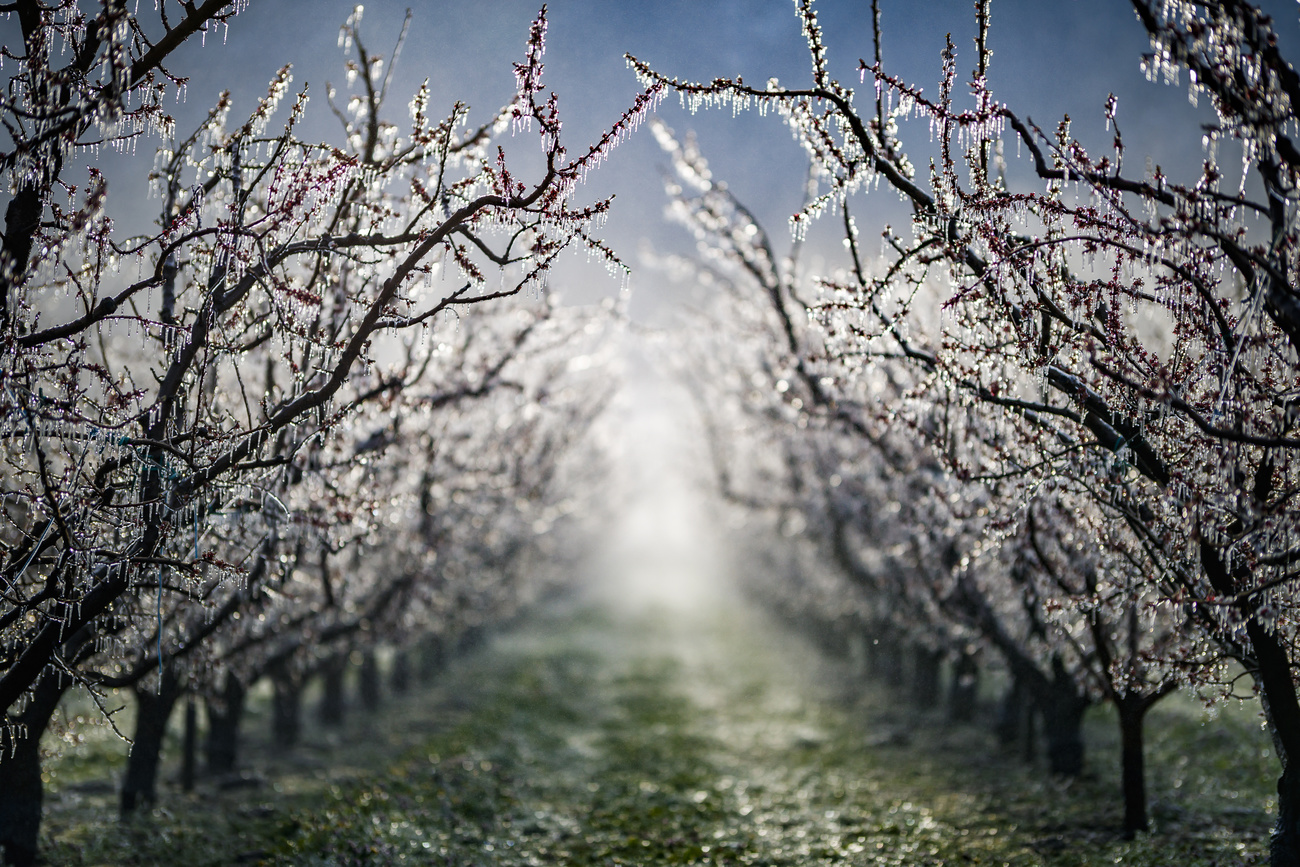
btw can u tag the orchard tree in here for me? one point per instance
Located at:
(345, 552)
(779, 431)
(153, 382)
(1127, 337)
(875, 494)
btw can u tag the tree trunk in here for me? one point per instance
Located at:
(858, 662)
(22, 222)
(189, 744)
(1062, 709)
(1284, 845)
(1132, 713)
(1273, 675)
(153, 709)
(1277, 691)
(21, 798)
(286, 709)
(889, 661)
(22, 793)
(927, 667)
(224, 714)
(471, 639)
(832, 638)
(432, 657)
(400, 678)
(333, 704)
(963, 693)
(1011, 713)
(368, 681)
(1029, 733)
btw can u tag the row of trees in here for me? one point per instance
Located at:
(326, 399)
(1055, 417)
(462, 505)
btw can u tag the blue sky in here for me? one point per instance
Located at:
(1050, 57)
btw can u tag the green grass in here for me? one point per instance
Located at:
(675, 739)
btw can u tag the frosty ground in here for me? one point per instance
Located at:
(691, 735)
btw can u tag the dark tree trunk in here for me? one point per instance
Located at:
(889, 661)
(153, 709)
(1062, 708)
(1284, 846)
(1132, 713)
(21, 798)
(190, 744)
(224, 714)
(1063, 733)
(333, 703)
(368, 681)
(22, 221)
(286, 709)
(927, 667)
(400, 678)
(963, 692)
(1029, 733)
(1012, 713)
(833, 639)
(1272, 672)
(22, 793)
(859, 661)
(1017, 724)
(470, 639)
(432, 657)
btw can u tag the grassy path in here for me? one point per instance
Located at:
(640, 741)
(682, 738)
(591, 738)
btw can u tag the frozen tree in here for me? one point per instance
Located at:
(872, 490)
(1121, 339)
(159, 389)
(777, 425)
(447, 476)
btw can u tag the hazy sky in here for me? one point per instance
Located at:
(1050, 57)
